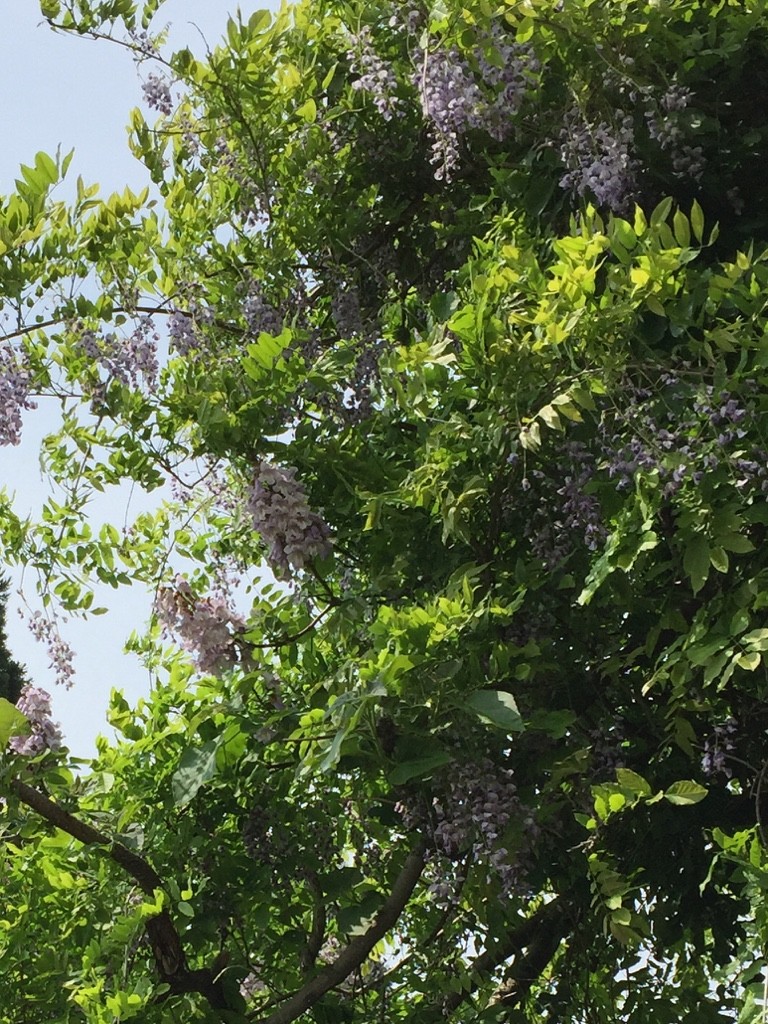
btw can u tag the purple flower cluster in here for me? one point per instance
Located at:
(207, 627)
(15, 383)
(143, 43)
(598, 159)
(453, 101)
(183, 334)
(512, 71)
(296, 535)
(251, 986)
(61, 654)
(157, 93)
(607, 754)
(477, 806)
(124, 361)
(376, 76)
(44, 733)
(573, 511)
(345, 310)
(357, 402)
(681, 433)
(259, 314)
(717, 748)
(665, 127)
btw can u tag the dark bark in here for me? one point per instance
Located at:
(533, 942)
(164, 939)
(358, 949)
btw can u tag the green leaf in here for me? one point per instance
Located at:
(12, 722)
(419, 768)
(196, 767)
(719, 559)
(630, 780)
(749, 661)
(736, 542)
(697, 560)
(697, 221)
(357, 919)
(661, 212)
(682, 229)
(308, 111)
(623, 231)
(46, 166)
(757, 639)
(685, 792)
(496, 707)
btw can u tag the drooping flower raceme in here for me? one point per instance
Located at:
(599, 159)
(14, 394)
(207, 627)
(124, 360)
(61, 654)
(451, 100)
(45, 734)
(181, 331)
(454, 101)
(294, 533)
(666, 128)
(259, 314)
(157, 93)
(376, 76)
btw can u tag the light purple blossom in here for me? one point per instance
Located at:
(717, 747)
(157, 93)
(251, 986)
(206, 626)
(453, 100)
(259, 314)
(599, 159)
(345, 310)
(477, 805)
(45, 734)
(15, 383)
(376, 76)
(666, 127)
(182, 332)
(59, 651)
(124, 360)
(295, 535)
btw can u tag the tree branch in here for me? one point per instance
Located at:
(542, 932)
(164, 939)
(358, 949)
(317, 931)
(530, 967)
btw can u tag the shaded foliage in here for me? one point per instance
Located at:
(465, 325)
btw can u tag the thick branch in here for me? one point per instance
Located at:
(136, 866)
(317, 931)
(163, 937)
(530, 967)
(358, 949)
(541, 934)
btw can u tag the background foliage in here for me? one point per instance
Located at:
(449, 338)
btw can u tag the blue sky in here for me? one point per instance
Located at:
(60, 90)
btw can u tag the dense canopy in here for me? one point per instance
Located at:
(442, 341)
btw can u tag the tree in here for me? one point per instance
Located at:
(11, 673)
(460, 615)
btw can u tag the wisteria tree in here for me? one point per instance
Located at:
(445, 353)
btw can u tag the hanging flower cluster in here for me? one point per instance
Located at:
(295, 535)
(45, 733)
(15, 382)
(206, 627)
